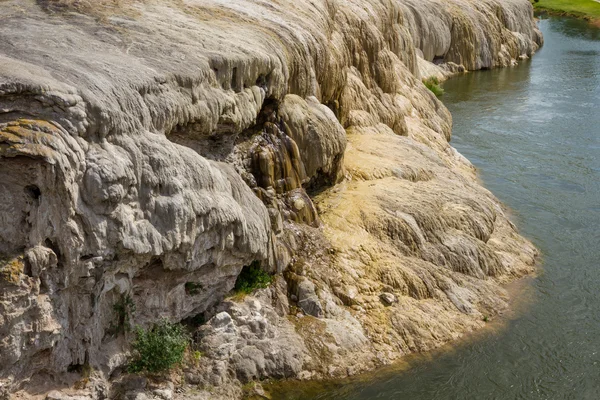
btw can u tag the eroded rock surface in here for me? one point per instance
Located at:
(150, 150)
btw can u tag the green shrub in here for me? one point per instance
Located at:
(159, 348)
(433, 84)
(251, 278)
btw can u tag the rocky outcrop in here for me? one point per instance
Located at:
(150, 147)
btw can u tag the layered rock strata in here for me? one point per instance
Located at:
(148, 147)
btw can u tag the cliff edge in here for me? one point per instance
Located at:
(150, 150)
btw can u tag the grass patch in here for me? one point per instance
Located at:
(588, 9)
(251, 278)
(433, 84)
(159, 348)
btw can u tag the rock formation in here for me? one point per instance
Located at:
(146, 146)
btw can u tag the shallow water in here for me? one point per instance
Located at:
(534, 134)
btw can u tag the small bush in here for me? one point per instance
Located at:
(251, 278)
(159, 348)
(433, 84)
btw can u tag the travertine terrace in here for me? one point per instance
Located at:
(149, 144)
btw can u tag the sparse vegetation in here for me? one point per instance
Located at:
(197, 355)
(124, 310)
(192, 357)
(160, 348)
(433, 84)
(11, 269)
(251, 278)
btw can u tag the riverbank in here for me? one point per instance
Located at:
(586, 9)
(532, 133)
(520, 297)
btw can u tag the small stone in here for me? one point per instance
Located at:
(347, 294)
(388, 298)
(137, 396)
(221, 319)
(55, 395)
(255, 390)
(305, 375)
(134, 383)
(254, 304)
(299, 204)
(164, 393)
(192, 379)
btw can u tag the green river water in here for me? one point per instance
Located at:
(534, 134)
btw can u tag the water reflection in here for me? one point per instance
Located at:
(505, 80)
(572, 28)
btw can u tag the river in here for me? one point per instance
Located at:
(534, 134)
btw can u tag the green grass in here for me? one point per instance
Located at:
(588, 9)
(433, 84)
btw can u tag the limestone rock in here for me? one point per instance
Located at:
(308, 300)
(249, 341)
(149, 147)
